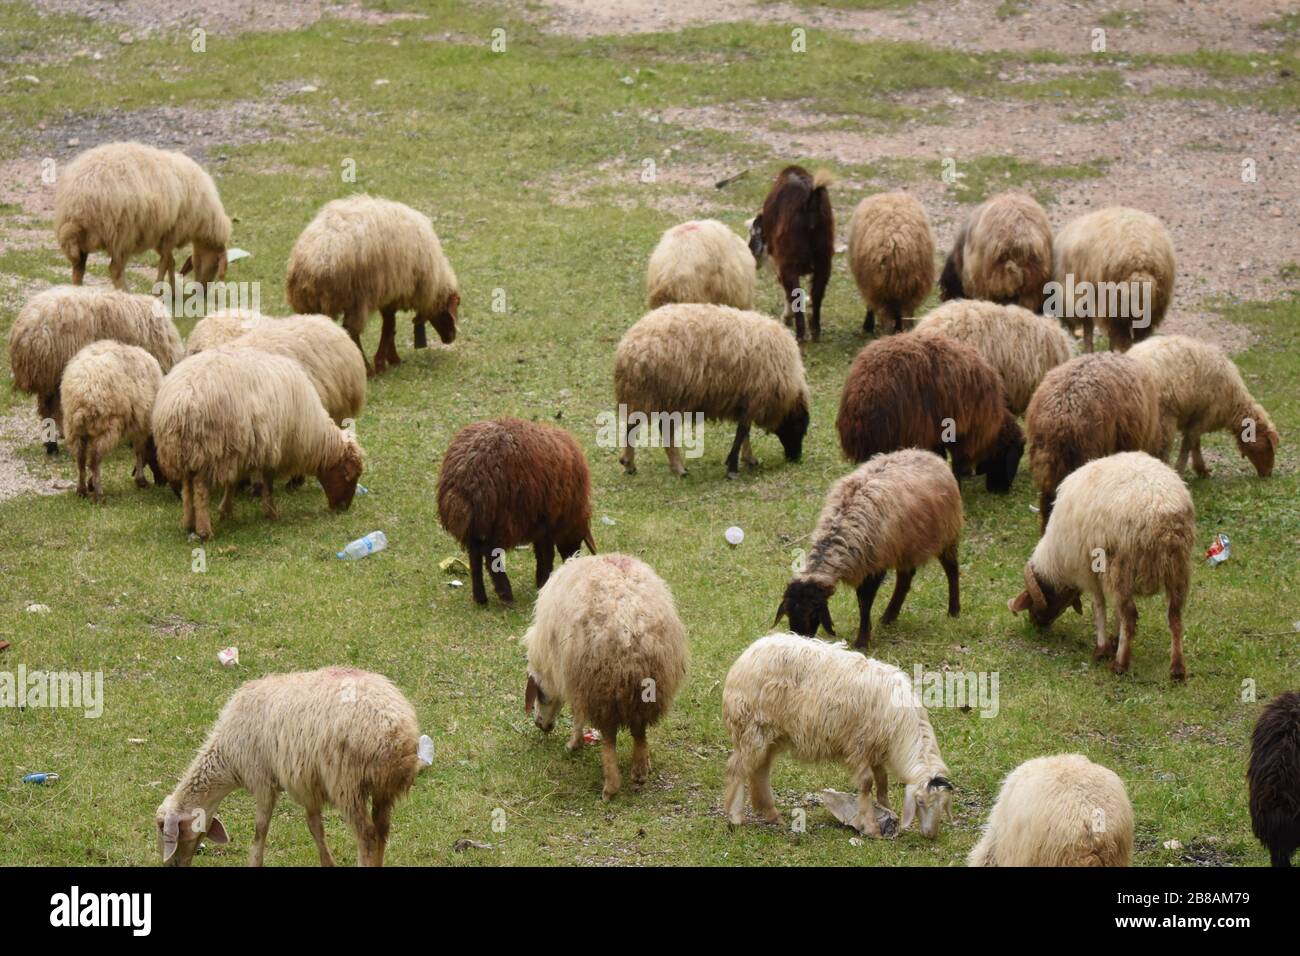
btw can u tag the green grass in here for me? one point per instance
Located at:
(474, 139)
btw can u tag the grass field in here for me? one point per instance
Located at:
(530, 164)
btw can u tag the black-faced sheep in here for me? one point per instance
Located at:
(1089, 407)
(701, 261)
(108, 394)
(1022, 346)
(1003, 254)
(896, 511)
(1123, 527)
(128, 198)
(930, 392)
(824, 703)
(56, 324)
(1058, 811)
(605, 638)
(796, 227)
(509, 482)
(712, 361)
(1115, 265)
(891, 254)
(1201, 391)
(362, 254)
(234, 412)
(1274, 776)
(337, 736)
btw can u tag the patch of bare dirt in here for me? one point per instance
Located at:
(1065, 26)
(22, 428)
(228, 17)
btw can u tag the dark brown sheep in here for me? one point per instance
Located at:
(797, 229)
(509, 482)
(1274, 776)
(930, 392)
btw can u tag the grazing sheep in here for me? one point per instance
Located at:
(1274, 777)
(1200, 391)
(896, 511)
(930, 392)
(827, 703)
(509, 482)
(891, 253)
(1123, 526)
(796, 227)
(58, 323)
(1022, 346)
(1089, 407)
(335, 736)
(326, 353)
(108, 394)
(1058, 811)
(711, 361)
(218, 328)
(701, 261)
(234, 412)
(1003, 254)
(1115, 265)
(128, 198)
(362, 254)
(607, 639)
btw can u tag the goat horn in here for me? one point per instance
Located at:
(1031, 584)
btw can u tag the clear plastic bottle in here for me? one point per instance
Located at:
(375, 541)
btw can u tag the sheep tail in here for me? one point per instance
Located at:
(69, 238)
(587, 540)
(822, 178)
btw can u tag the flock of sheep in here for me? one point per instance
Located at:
(253, 399)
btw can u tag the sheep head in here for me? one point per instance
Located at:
(932, 801)
(546, 706)
(208, 263)
(180, 828)
(999, 469)
(340, 479)
(792, 430)
(1262, 450)
(1044, 602)
(807, 604)
(444, 323)
(757, 244)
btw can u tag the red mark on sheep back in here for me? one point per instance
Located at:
(621, 561)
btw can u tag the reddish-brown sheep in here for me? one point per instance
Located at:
(796, 227)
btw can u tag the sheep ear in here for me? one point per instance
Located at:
(1077, 605)
(824, 615)
(909, 807)
(780, 613)
(530, 694)
(217, 833)
(453, 305)
(188, 267)
(941, 783)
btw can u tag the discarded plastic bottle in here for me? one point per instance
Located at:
(40, 778)
(375, 541)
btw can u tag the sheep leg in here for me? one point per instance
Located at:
(476, 572)
(1102, 649)
(898, 319)
(867, 597)
(640, 756)
(819, 280)
(869, 323)
(1087, 335)
(794, 306)
(317, 827)
(419, 331)
(733, 457)
(187, 503)
(881, 776)
(81, 469)
(166, 267)
(500, 583)
(96, 462)
(1127, 628)
(609, 762)
(1177, 670)
(1184, 449)
(761, 796)
(386, 354)
(227, 506)
(628, 458)
(733, 800)
(668, 438)
(544, 550)
(866, 822)
(949, 561)
(1045, 502)
(364, 830)
(138, 472)
(1197, 461)
(115, 269)
(268, 503)
(354, 320)
(747, 454)
(265, 807)
(202, 502)
(383, 815)
(902, 584)
(79, 268)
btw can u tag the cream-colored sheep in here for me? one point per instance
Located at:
(701, 261)
(1058, 811)
(1123, 526)
(336, 736)
(722, 363)
(1201, 391)
(128, 198)
(363, 254)
(218, 328)
(895, 511)
(1022, 346)
(234, 412)
(325, 351)
(1003, 254)
(891, 254)
(56, 324)
(1115, 265)
(822, 703)
(108, 394)
(606, 638)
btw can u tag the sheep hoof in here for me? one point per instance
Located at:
(753, 465)
(608, 793)
(1117, 668)
(733, 475)
(51, 448)
(81, 492)
(1177, 672)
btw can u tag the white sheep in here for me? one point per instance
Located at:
(827, 703)
(891, 254)
(606, 638)
(701, 261)
(336, 736)
(1058, 811)
(219, 327)
(1123, 526)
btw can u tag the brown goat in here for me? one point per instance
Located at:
(509, 482)
(796, 227)
(930, 392)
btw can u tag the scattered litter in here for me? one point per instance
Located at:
(362, 490)
(38, 609)
(135, 740)
(424, 753)
(1034, 508)
(307, 89)
(375, 541)
(381, 82)
(591, 737)
(844, 807)
(1173, 845)
(724, 183)
(4, 645)
(1219, 551)
(41, 778)
(453, 565)
(606, 519)
(234, 255)
(229, 656)
(626, 80)
(456, 583)
(460, 846)
(855, 841)
(734, 535)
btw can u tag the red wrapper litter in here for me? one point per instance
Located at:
(1219, 551)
